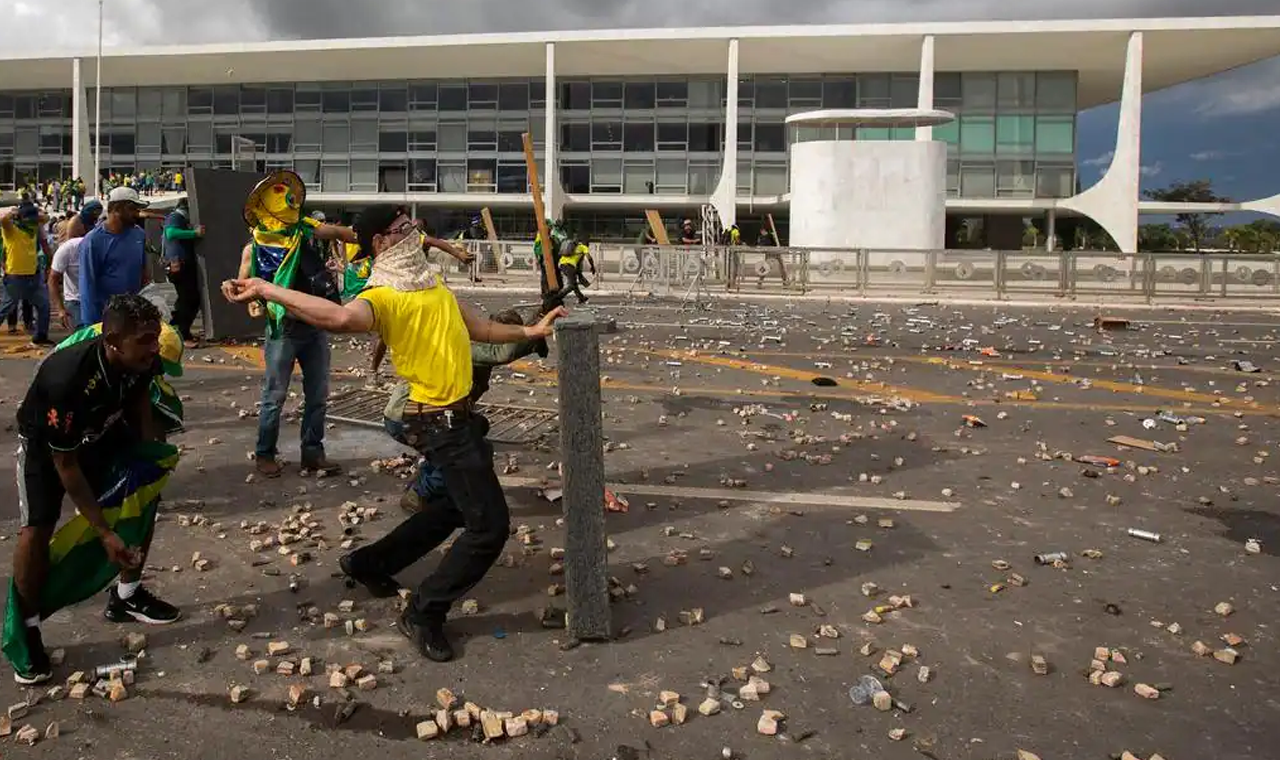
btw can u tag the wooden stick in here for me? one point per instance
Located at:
(773, 231)
(548, 262)
(489, 229)
(656, 226)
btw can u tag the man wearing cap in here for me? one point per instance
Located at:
(24, 241)
(429, 335)
(113, 256)
(184, 271)
(84, 220)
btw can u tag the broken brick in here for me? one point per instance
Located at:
(658, 719)
(278, 648)
(709, 707)
(1224, 609)
(768, 723)
(882, 701)
(491, 725)
(1201, 649)
(679, 714)
(1228, 656)
(1039, 665)
(239, 694)
(446, 699)
(1112, 678)
(668, 698)
(1146, 692)
(517, 727)
(427, 729)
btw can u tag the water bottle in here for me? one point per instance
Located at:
(866, 688)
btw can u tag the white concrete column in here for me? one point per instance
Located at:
(552, 196)
(1051, 231)
(80, 155)
(725, 197)
(925, 100)
(1113, 201)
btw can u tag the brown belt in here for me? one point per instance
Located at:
(419, 409)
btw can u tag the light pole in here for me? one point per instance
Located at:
(97, 114)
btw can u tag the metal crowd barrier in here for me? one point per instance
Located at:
(998, 275)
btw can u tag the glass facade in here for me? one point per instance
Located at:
(1014, 135)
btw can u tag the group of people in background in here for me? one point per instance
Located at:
(146, 182)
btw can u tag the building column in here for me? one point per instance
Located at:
(1113, 201)
(1051, 230)
(925, 100)
(81, 153)
(725, 197)
(552, 195)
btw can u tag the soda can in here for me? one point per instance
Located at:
(1050, 558)
(1146, 535)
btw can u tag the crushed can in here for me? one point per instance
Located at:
(1050, 558)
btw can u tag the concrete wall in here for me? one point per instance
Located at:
(868, 194)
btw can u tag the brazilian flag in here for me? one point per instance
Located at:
(276, 253)
(128, 491)
(78, 565)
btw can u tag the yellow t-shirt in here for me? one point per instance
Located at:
(575, 258)
(428, 340)
(19, 249)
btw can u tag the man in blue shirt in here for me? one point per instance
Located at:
(184, 271)
(113, 256)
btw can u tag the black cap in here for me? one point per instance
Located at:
(374, 220)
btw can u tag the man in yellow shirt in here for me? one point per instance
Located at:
(23, 242)
(429, 334)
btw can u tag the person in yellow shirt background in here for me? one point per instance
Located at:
(570, 265)
(429, 335)
(24, 242)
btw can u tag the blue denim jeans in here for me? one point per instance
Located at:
(309, 349)
(429, 482)
(29, 288)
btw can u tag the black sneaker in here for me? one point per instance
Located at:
(428, 637)
(142, 607)
(381, 586)
(39, 669)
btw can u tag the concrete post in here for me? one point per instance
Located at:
(725, 196)
(79, 122)
(924, 101)
(551, 195)
(582, 452)
(1051, 231)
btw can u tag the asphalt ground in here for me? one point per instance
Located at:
(727, 451)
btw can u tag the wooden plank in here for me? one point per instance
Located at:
(656, 227)
(773, 230)
(1135, 443)
(489, 229)
(540, 213)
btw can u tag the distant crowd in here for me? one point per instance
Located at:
(68, 194)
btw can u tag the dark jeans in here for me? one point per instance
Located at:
(572, 278)
(457, 448)
(309, 349)
(186, 281)
(31, 289)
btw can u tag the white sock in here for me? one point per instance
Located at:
(125, 590)
(33, 622)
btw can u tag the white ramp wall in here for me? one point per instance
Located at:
(868, 194)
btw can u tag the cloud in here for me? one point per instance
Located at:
(1151, 170)
(1208, 155)
(1103, 160)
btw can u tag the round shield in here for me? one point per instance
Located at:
(826, 268)
(508, 260)
(1243, 274)
(897, 267)
(1261, 278)
(650, 265)
(1038, 272)
(630, 263)
(762, 268)
(1168, 274)
(1189, 276)
(964, 270)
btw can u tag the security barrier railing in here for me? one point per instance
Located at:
(998, 275)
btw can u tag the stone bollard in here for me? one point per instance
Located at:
(582, 452)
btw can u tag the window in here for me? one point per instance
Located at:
(575, 96)
(537, 94)
(150, 103)
(977, 181)
(873, 91)
(253, 100)
(771, 138)
(1055, 134)
(307, 100)
(279, 142)
(50, 141)
(364, 99)
(24, 107)
(201, 136)
(576, 177)
(308, 134)
(364, 175)
(805, 93)
(977, 134)
(771, 179)
(122, 143)
(702, 177)
(422, 174)
(422, 97)
(482, 138)
(226, 100)
(606, 94)
(638, 137)
(840, 93)
(510, 140)
(513, 96)
(641, 95)
(393, 99)
(771, 93)
(1015, 179)
(953, 177)
(1055, 181)
(874, 134)
(705, 93)
(453, 98)
(904, 90)
(453, 137)
(6, 109)
(148, 138)
(1056, 91)
(745, 132)
(482, 97)
(1015, 90)
(744, 177)
(606, 135)
(28, 141)
(422, 141)
(309, 171)
(336, 101)
(337, 138)
(392, 177)
(123, 103)
(672, 94)
(513, 177)
(364, 135)
(948, 133)
(947, 91)
(335, 177)
(672, 176)
(279, 101)
(1015, 134)
(637, 177)
(175, 140)
(222, 142)
(575, 137)
(673, 136)
(978, 93)
(705, 138)
(606, 176)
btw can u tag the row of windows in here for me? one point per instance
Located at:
(969, 134)
(967, 92)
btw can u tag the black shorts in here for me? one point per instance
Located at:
(40, 489)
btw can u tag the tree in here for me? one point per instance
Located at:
(1030, 236)
(1157, 238)
(1195, 225)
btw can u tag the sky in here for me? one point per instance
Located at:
(1220, 128)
